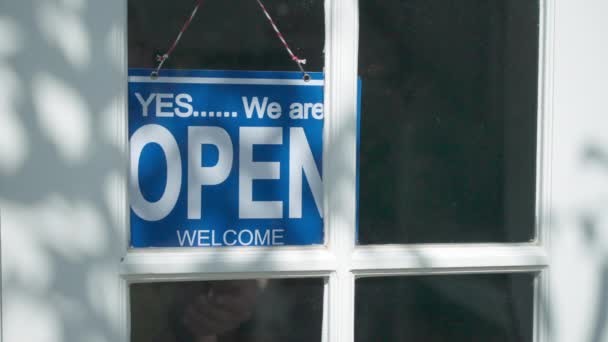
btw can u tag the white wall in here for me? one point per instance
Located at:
(579, 278)
(59, 169)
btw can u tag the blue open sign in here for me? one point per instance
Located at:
(225, 158)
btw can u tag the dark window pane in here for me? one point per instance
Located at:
(455, 308)
(448, 122)
(226, 311)
(226, 35)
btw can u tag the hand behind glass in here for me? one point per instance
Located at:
(225, 306)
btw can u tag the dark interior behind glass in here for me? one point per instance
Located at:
(227, 34)
(439, 308)
(263, 310)
(448, 122)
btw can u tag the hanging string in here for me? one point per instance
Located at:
(162, 58)
(297, 60)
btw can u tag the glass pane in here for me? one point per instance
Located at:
(226, 311)
(455, 308)
(448, 120)
(212, 134)
(226, 35)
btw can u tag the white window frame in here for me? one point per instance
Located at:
(340, 261)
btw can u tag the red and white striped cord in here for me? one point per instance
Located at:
(294, 58)
(161, 59)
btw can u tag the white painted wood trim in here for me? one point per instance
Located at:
(424, 259)
(544, 150)
(2, 293)
(542, 308)
(228, 261)
(325, 322)
(542, 304)
(120, 195)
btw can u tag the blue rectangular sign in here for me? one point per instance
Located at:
(225, 158)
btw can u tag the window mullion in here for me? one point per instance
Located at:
(340, 156)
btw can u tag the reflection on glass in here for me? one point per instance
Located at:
(448, 120)
(226, 35)
(455, 308)
(227, 311)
